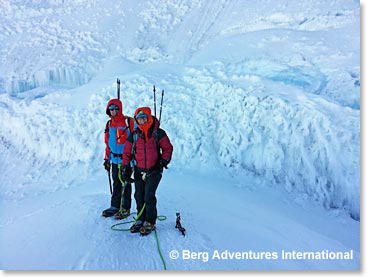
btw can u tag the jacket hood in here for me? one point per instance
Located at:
(152, 120)
(145, 110)
(116, 102)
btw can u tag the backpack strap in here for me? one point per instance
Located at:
(106, 136)
(107, 128)
(128, 123)
(156, 141)
(133, 149)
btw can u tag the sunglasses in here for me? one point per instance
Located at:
(113, 107)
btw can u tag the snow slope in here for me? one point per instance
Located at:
(262, 105)
(63, 229)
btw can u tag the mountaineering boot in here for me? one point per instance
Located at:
(121, 214)
(110, 211)
(147, 228)
(136, 227)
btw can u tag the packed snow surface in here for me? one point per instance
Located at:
(261, 103)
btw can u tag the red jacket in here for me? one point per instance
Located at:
(146, 150)
(116, 132)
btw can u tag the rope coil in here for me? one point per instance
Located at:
(160, 218)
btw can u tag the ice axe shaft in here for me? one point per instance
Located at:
(109, 180)
(118, 89)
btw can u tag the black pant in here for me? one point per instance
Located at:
(117, 191)
(145, 193)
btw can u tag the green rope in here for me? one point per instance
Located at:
(159, 249)
(122, 184)
(118, 173)
(160, 218)
(113, 227)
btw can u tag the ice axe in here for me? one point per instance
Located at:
(109, 180)
(178, 224)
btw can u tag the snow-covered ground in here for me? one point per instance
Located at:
(63, 229)
(262, 105)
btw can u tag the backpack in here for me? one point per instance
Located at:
(127, 121)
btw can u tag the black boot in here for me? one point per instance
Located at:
(136, 227)
(110, 211)
(123, 213)
(147, 228)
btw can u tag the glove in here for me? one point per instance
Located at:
(125, 173)
(107, 165)
(163, 163)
